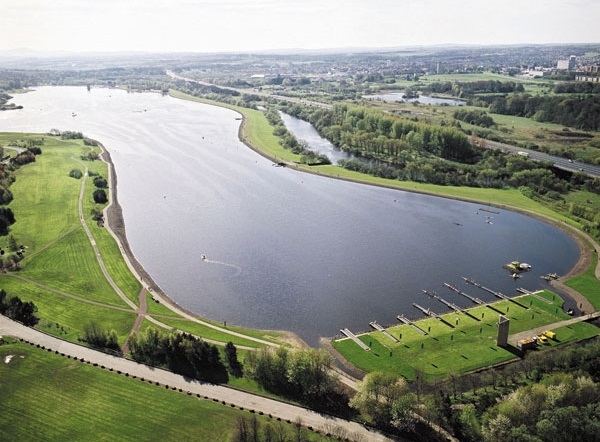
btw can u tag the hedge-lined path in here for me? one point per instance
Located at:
(166, 379)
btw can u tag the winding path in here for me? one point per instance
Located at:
(166, 379)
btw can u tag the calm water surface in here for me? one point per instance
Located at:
(306, 132)
(423, 99)
(285, 250)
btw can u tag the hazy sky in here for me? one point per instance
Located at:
(246, 25)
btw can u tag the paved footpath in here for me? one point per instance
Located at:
(513, 339)
(248, 401)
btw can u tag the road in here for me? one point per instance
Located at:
(253, 92)
(217, 393)
(161, 378)
(559, 162)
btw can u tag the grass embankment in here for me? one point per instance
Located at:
(468, 345)
(258, 134)
(471, 345)
(49, 397)
(60, 272)
(588, 284)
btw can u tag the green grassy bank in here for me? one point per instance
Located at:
(60, 271)
(464, 343)
(49, 397)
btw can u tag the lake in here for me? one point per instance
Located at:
(422, 99)
(304, 131)
(285, 250)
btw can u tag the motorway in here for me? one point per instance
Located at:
(559, 162)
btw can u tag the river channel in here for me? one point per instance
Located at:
(284, 250)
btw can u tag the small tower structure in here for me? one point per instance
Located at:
(502, 339)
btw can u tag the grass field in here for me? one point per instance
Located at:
(588, 284)
(470, 345)
(48, 397)
(60, 272)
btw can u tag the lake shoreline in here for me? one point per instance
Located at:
(115, 216)
(115, 224)
(582, 240)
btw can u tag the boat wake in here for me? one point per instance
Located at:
(236, 269)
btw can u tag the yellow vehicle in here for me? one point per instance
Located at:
(549, 334)
(542, 339)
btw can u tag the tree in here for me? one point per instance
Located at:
(7, 218)
(76, 173)
(232, 360)
(179, 352)
(378, 393)
(16, 309)
(100, 182)
(498, 429)
(100, 196)
(403, 412)
(96, 336)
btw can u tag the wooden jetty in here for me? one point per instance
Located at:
(454, 307)
(352, 336)
(407, 321)
(472, 298)
(460, 292)
(488, 210)
(428, 312)
(535, 295)
(378, 327)
(493, 292)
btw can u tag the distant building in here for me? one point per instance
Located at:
(587, 78)
(533, 73)
(566, 65)
(592, 68)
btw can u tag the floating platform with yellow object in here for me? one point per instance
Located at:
(517, 267)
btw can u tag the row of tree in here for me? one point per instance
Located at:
(303, 375)
(290, 142)
(468, 89)
(372, 134)
(474, 117)
(581, 112)
(179, 352)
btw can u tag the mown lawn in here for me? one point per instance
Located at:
(48, 397)
(60, 272)
(65, 317)
(587, 284)
(470, 345)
